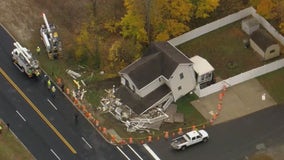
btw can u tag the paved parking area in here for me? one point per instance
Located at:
(238, 101)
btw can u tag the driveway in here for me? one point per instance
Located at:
(238, 101)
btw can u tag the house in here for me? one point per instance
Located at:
(249, 25)
(264, 44)
(203, 71)
(161, 76)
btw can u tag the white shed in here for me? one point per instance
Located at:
(249, 25)
(203, 70)
(264, 44)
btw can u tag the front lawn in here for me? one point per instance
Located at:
(273, 83)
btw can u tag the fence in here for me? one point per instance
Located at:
(225, 21)
(211, 26)
(269, 28)
(240, 78)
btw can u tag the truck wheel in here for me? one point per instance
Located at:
(182, 148)
(205, 140)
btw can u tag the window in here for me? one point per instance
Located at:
(272, 51)
(179, 87)
(181, 76)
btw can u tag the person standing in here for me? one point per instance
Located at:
(37, 50)
(48, 83)
(53, 89)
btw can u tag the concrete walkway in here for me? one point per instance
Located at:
(238, 101)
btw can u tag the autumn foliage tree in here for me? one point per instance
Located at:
(205, 7)
(271, 9)
(169, 18)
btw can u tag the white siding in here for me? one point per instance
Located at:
(151, 86)
(276, 51)
(187, 84)
(256, 48)
(128, 82)
(240, 78)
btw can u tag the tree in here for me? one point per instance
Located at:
(205, 7)
(133, 23)
(280, 13)
(169, 18)
(266, 8)
(86, 51)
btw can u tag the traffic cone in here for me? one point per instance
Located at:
(224, 88)
(104, 130)
(180, 131)
(220, 96)
(166, 135)
(149, 139)
(67, 91)
(75, 101)
(112, 138)
(130, 140)
(97, 122)
(211, 121)
(173, 134)
(219, 107)
(214, 116)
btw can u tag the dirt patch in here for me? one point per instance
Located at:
(271, 153)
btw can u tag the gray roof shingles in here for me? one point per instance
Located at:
(138, 104)
(162, 60)
(263, 39)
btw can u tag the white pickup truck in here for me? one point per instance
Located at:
(189, 138)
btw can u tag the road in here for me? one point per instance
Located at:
(233, 140)
(46, 125)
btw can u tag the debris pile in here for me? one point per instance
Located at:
(152, 119)
(80, 91)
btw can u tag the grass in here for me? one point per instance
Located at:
(225, 51)
(273, 83)
(11, 148)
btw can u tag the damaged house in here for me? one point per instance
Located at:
(151, 84)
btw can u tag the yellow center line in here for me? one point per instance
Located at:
(37, 111)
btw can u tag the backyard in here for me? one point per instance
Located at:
(225, 50)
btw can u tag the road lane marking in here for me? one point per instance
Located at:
(51, 104)
(52, 151)
(151, 152)
(38, 111)
(86, 142)
(123, 153)
(135, 152)
(21, 115)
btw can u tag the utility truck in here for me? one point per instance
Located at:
(189, 138)
(23, 59)
(50, 39)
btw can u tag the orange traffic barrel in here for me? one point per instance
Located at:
(149, 138)
(130, 140)
(180, 131)
(166, 135)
